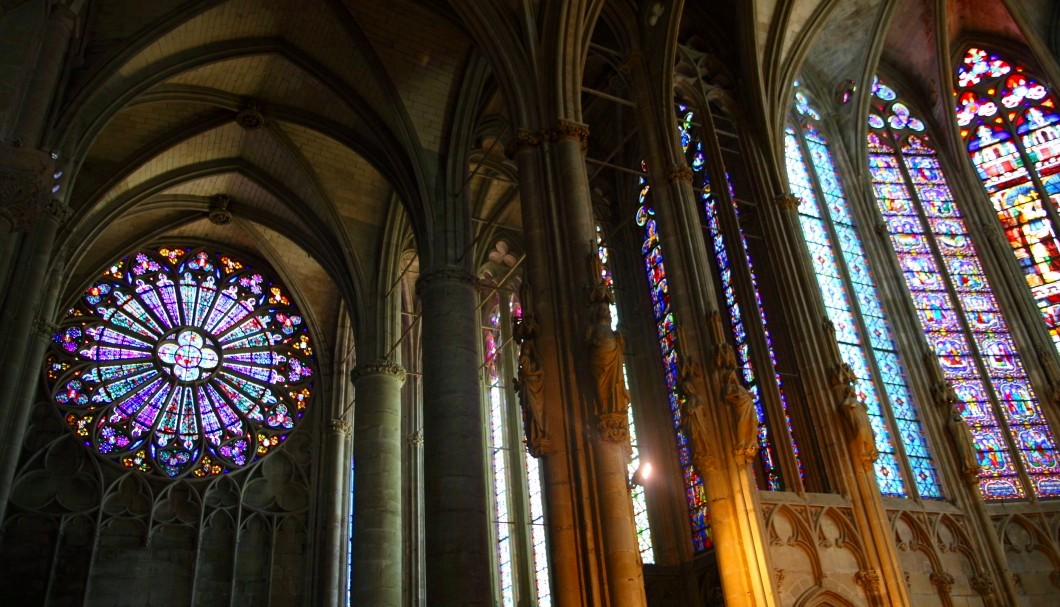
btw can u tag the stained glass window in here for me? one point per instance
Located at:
(518, 502)
(640, 502)
(182, 362)
(854, 307)
(1010, 125)
(666, 329)
(956, 305)
(768, 469)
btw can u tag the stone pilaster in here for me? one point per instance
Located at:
(458, 551)
(333, 541)
(377, 547)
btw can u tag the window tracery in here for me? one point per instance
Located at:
(956, 306)
(853, 304)
(181, 361)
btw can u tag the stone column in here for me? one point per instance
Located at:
(37, 100)
(458, 554)
(377, 548)
(21, 396)
(25, 181)
(337, 465)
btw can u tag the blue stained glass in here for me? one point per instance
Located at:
(723, 252)
(848, 252)
(941, 318)
(695, 494)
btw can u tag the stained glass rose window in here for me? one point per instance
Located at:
(181, 362)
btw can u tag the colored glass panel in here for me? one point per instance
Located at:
(1009, 124)
(179, 362)
(959, 314)
(652, 253)
(697, 160)
(499, 453)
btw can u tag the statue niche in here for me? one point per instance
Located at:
(530, 386)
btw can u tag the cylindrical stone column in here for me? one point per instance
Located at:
(458, 552)
(377, 542)
(337, 463)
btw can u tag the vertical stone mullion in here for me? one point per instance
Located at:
(458, 551)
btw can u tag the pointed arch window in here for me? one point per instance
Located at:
(640, 501)
(518, 503)
(956, 306)
(666, 331)
(743, 306)
(1010, 126)
(853, 304)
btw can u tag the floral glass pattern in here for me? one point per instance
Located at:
(182, 362)
(848, 288)
(958, 312)
(1011, 128)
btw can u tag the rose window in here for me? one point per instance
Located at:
(182, 362)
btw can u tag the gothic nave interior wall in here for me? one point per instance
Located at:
(529, 303)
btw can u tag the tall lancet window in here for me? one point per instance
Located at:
(640, 500)
(666, 331)
(518, 503)
(854, 307)
(956, 306)
(737, 284)
(1009, 124)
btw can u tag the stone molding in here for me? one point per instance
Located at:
(447, 274)
(219, 209)
(416, 438)
(567, 129)
(44, 328)
(55, 209)
(680, 174)
(613, 428)
(786, 202)
(340, 426)
(378, 367)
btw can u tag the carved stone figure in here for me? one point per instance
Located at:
(530, 385)
(694, 416)
(964, 442)
(857, 417)
(743, 412)
(605, 363)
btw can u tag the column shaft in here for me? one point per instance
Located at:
(458, 552)
(377, 548)
(37, 101)
(336, 463)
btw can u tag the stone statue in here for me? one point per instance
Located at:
(530, 385)
(857, 416)
(741, 401)
(694, 416)
(605, 363)
(964, 442)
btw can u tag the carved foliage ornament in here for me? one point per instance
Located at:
(25, 178)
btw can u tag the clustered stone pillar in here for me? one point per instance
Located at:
(458, 552)
(377, 552)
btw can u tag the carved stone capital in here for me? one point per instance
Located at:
(340, 426)
(416, 438)
(44, 329)
(219, 213)
(250, 117)
(57, 210)
(943, 580)
(445, 274)
(378, 367)
(524, 138)
(787, 202)
(869, 579)
(566, 129)
(26, 178)
(680, 174)
(983, 584)
(613, 428)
